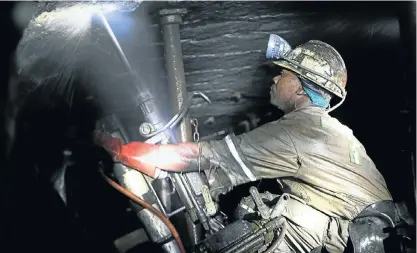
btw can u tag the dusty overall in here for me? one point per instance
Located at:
(318, 161)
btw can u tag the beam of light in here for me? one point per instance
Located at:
(77, 19)
(72, 20)
(116, 43)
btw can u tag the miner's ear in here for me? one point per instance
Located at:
(301, 91)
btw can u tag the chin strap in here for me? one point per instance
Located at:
(330, 109)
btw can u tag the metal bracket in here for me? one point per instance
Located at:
(264, 210)
(210, 206)
(177, 117)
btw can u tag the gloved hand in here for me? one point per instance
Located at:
(146, 157)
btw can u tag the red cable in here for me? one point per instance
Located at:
(146, 205)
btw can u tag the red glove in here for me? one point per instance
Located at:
(146, 157)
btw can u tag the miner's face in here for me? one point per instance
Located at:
(285, 87)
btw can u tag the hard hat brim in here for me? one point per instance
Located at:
(287, 65)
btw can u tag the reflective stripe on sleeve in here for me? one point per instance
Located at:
(239, 160)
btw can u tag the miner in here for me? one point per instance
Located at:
(316, 159)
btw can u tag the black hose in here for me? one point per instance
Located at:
(177, 117)
(279, 240)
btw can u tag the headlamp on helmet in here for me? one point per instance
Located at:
(277, 47)
(314, 60)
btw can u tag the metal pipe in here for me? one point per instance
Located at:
(135, 182)
(131, 179)
(170, 20)
(143, 97)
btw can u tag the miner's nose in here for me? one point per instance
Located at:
(276, 79)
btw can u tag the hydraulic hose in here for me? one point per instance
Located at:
(146, 205)
(279, 240)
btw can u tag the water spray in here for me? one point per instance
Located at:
(115, 42)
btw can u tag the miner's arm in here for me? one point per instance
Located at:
(149, 158)
(266, 152)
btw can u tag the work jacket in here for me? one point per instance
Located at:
(316, 159)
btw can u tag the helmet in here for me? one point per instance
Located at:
(318, 62)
